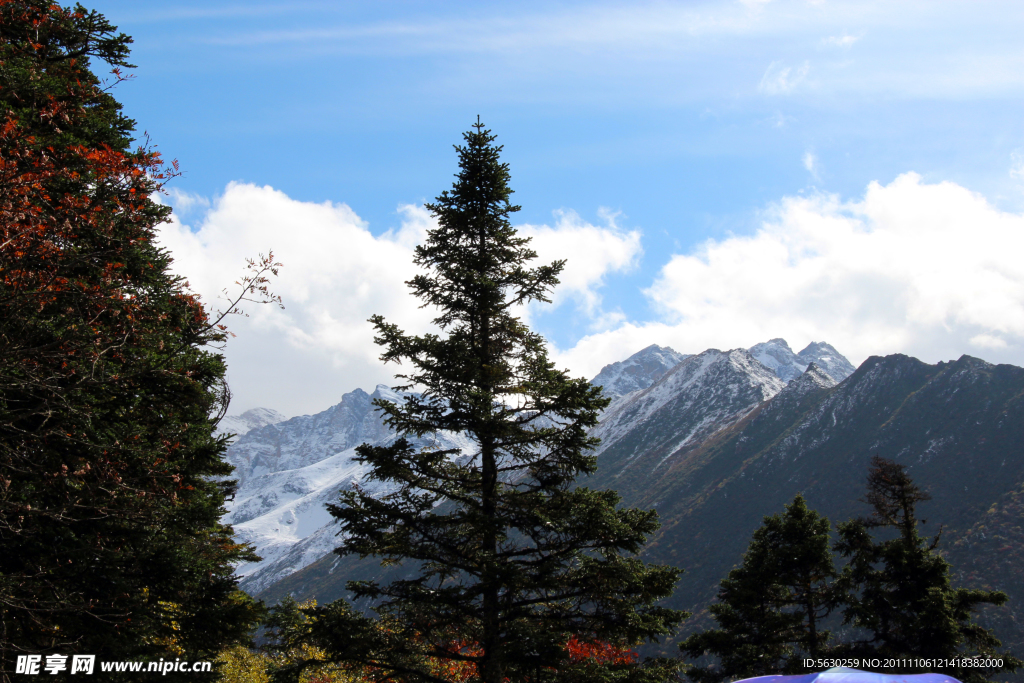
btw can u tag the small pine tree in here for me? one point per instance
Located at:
(899, 593)
(506, 559)
(770, 608)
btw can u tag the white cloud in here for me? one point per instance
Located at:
(987, 341)
(184, 202)
(845, 42)
(590, 252)
(930, 270)
(812, 165)
(1017, 165)
(779, 79)
(336, 274)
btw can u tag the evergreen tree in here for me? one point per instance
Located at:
(111, 479)
(899, 592)
(770, 608)
(506, 560)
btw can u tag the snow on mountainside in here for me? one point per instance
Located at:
(637, 372)
(248, 421)
(288, 470)
(814, 378)
(285, 512)
(308, 439)
(777, 355)
(957, 427)
(830, 361)
(699, 397)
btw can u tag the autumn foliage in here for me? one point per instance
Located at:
(299, 650)
(599, 652)
(109, 387)
(580, 652)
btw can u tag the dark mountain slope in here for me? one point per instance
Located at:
(958, 427)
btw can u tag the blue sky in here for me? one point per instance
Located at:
(718, 173)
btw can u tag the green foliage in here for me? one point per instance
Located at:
(506, 559)
(770, 608)
(240, 664)
(288, 654)
(111, 480)
(894, 592)
(899, 593)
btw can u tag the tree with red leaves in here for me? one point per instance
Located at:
(111, 477)
(293, 630)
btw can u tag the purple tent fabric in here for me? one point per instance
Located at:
(841, 674)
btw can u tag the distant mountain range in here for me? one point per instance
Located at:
(287, 472)
(713, 441)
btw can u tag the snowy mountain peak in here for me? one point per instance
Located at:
(665, 403)
(637, 372)
(383, 391)
(254, 418)
(700, 396)
(307, 439)
(777, 355)
(289, 471)
(830, 361)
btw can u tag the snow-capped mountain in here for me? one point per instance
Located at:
(637, 372)
(956, 426)
(289, 471)
(248, 421)
(308, 439)
(699, 397)
(664, 401)
(777, 355)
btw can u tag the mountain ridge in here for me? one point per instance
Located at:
(956, 425)
(288, 470)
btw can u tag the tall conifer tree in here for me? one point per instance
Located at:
(508, 561)
(899, 595)
(770, 608)
(110, 541)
